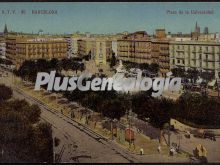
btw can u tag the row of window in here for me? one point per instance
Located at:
(206, 48)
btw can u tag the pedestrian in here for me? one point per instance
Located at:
(172, 151)
(159, 149)
(141, 151)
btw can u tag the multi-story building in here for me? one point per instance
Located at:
(135, 47)
(160, 54)
(155, 48)
(114, 47)
(2, 47)
(101, 51)
(75, 46)
(74, 38)
(164, 59)
(69, 46)
(21, 48)
(204, 56)
(160, 35)
(85, 46)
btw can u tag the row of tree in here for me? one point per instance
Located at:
(23, 137)
(154, 68)
(190, 108)
(108, 103)
(159, 110)
(29, 69)
(193, 74)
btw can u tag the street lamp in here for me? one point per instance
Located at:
(130, 116)
(179, 137)
(111, 129)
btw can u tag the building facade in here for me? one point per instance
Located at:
(69, 46)
(75, 46)
(114, 47)
(101, 51)
(21, 48)
(156, 44)
(204, 56)
(85, 46)
(155, 48)
(2, 47)
(135, 47)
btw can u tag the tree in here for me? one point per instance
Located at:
(197, 109)
(28, 70)
(55, 64)
(157, 110)
(178, 72)
(153, 68)
(113, 109)
(33, 114)
(56, 141)
(23, 138)
(192, 74)
(6, 92)
(207, 76)
(113, 60)
(42, 64)
(44, 142)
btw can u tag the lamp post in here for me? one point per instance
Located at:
(169, 134)
(179, 137)
(130, 116)
(111, 129)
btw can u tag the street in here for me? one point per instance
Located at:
(189, 145)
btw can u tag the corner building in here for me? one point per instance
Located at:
(21, 48)
(204, 56)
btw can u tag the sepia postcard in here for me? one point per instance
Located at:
(109, 82)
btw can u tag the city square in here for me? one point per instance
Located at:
(143, 95)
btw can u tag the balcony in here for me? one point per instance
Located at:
(209, 60)
(209, 52)
(179, 64)
(179, 57)
(164, 54)
(194, 58)
(208, 67)
(180, 50)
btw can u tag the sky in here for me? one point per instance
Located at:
(110, 17)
